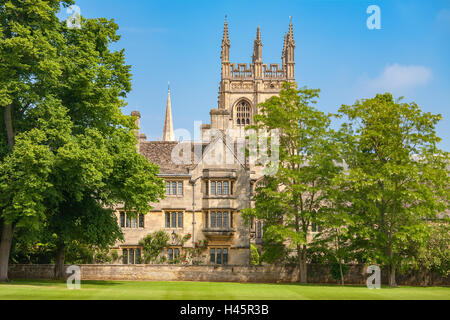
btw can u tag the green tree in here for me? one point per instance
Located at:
(294, 198)
(396, 179)
(334, 245)
(103, 164)
(29, 71)
(153, 244)
(254, 256)
(81, 149)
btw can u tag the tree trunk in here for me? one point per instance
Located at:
(426, 279)
(5, 249)
(392, 281)
(342, 273)
(59, 262)
(8, 117)
(8, 229)
(303, 267)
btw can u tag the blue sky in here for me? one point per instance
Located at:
(179, 41)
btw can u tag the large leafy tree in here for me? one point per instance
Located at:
(29, 70)
(295, 197)
(397, 178)
(84, 156)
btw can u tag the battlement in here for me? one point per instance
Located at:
(243, 71)
(273, 72)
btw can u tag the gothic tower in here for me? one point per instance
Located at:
(243, 87)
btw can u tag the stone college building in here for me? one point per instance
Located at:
(204, 198)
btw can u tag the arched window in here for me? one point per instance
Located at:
(242, 113)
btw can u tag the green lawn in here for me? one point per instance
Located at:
(112, 290)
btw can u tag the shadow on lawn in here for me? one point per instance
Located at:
(35, 282)
(322, 285)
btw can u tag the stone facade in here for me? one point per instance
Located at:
(205, 197)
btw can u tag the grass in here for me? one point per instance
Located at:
(134, 290)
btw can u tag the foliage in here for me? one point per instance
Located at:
(194, 255)
(294, 198)
(153, 244)
(69, 153)
(254, 256)
(397, 178)
(335, 270)
(434, 256)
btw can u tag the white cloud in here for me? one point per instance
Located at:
(443, 17)
(396, 78)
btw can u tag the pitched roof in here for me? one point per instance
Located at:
(160, 153)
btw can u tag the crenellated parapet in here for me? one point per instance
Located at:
(273, 72)
(243, 71)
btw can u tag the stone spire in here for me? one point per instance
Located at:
(257, 47)
(290, 37)
(257, 56)
(168, 134)
(225, 56)
(289, 51)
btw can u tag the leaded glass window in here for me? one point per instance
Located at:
(141, 220)
(213, 219)
(167, 188)
(180, 219)
(242, 113)
(225, 188)
(174, 188)
(219, 256)
(225, 256)
(174, 219)
(225, 220)
(125, 256)
(131, 256)
(219, 219)
(213, 188)
(213, 256)
(122, 219)
(167, 220)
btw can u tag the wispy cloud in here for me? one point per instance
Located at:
(397, 78)
(443, 17)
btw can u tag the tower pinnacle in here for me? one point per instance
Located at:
(289, 53)
(225, 56)
(257, 47)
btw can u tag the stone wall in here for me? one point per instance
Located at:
(263, 274)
